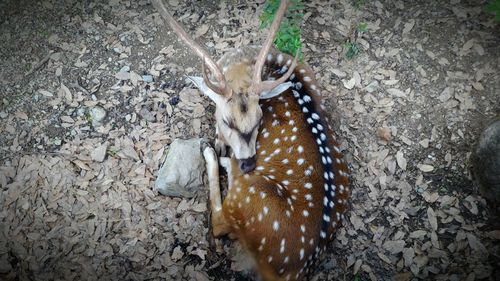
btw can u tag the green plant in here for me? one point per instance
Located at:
(493, 7)
(88, 117)
(358, 3)
(112, 152)
(352, 49)
(44, 33)
(362, 27)
(288, 36)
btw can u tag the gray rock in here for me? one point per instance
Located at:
(97, 114)
(181, 175)
(485, 160)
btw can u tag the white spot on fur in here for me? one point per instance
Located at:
(280, 59)
(276, 225)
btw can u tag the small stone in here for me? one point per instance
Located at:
(174, 100)
(97, 114)
(147, 78)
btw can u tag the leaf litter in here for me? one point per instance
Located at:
(80, 191)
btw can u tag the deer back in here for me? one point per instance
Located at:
(286, 210)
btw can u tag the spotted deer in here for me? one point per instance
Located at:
(288, 183)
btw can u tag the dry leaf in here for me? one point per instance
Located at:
(408, 254)
(394, 247)
(384, 133)
(468, 45)
(396, 92)
(201, 30)
(400, 159)
(431, 216)
(350, 83)
(476, 245)
(425, 168)
(99, 153)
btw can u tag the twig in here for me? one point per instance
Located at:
(76, 85)
(40, 63)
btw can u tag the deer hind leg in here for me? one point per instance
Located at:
(219, 224)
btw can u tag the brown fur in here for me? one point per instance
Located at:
(244, 204)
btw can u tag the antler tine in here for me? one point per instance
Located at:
(209, 83)
(258, 85)
(214, 68)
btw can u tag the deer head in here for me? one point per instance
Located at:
(236, 91)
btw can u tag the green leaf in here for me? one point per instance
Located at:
(493, 7)
(288, 37)
(352, 50)
(363, 27)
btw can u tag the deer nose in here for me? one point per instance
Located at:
(247, 165)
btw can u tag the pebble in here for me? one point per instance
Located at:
(97, 114)
(174, 100)
(147, 78)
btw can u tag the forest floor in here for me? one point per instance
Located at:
(93, 92)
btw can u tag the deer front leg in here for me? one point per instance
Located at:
(219, 224)
(220, 144)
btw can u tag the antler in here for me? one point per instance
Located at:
(259, 86)
(222, 87)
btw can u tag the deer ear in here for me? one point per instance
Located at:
(276, 90)
(200, 84)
